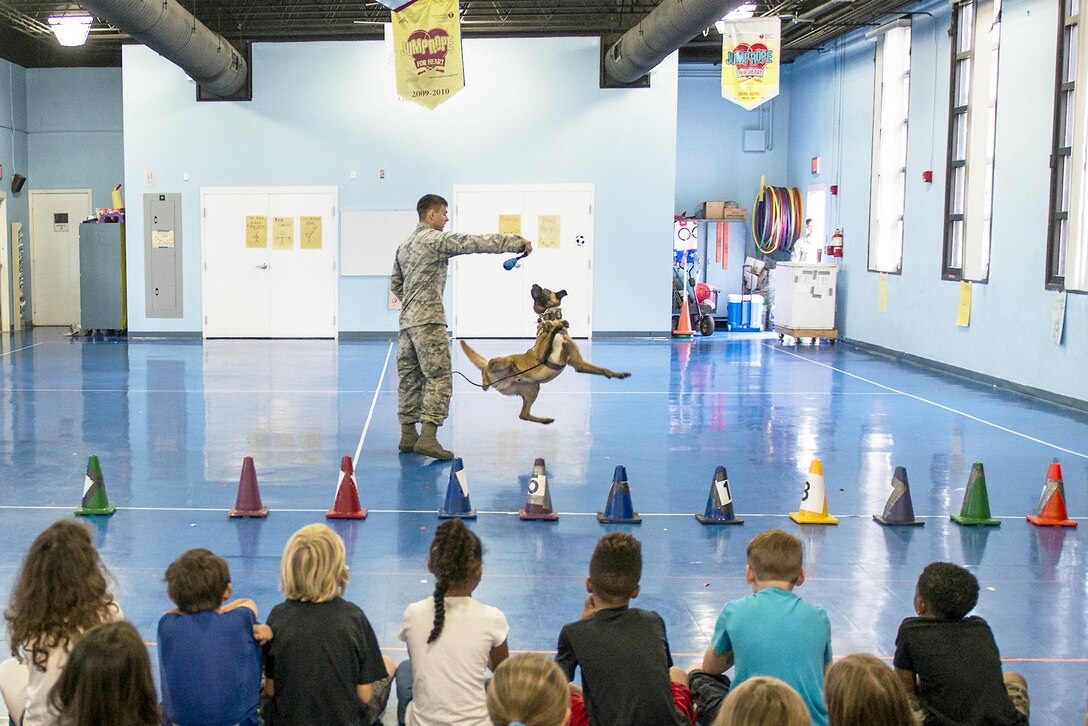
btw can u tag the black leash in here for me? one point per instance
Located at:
(499, 380)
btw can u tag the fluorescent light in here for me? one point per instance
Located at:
(71, 30)
(741, 12)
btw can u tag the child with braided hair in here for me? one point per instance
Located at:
(452, 638)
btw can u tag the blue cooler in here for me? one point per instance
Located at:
(742, 317)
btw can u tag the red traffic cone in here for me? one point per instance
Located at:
(248, 503)
(538, 500)
(899, 511)
(618, 508)
(457, 503)
(1052, 502)
(346, 503)
(95, 501)
(719, 505)
(683, 325)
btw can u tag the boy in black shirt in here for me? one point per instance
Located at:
(949, 663)
(627, 670)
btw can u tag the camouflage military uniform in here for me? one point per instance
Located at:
(419, 280)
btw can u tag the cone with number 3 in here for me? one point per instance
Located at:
(814, 499)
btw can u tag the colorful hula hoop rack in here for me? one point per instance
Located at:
(778, 218)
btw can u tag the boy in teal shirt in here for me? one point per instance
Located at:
(771, 632)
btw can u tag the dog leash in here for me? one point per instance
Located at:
(498, 380)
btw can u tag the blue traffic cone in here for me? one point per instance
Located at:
(898, 511)
(457, 503)
(618, 508)
(719, 505)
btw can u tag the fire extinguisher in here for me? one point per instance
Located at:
(835, 248)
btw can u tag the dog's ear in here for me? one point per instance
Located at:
(561, 294)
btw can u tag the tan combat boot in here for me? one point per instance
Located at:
(408, 438)
(428, 445)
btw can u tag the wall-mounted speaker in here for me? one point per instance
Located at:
(17, 182)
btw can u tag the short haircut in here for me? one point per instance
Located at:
(775, 555)
(429, 203)
(616, 566)
(197, 580)
(528, 689)
(314, 565)
(763, 701)
(950, 590)
(861, 690)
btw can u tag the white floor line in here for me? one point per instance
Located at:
(25, 347)
(340, 391)
(370, 414)
(932, 403)
(372, 510)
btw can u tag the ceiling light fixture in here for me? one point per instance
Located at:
(71, 30)
(741, 12)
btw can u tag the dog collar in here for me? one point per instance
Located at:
(553, 366)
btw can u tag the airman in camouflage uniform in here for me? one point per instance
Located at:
(423, 356)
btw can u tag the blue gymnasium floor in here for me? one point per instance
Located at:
(172, 420)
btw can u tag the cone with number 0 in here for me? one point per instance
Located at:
(813, 508)
(346, 503)
(719, 504)
(538, 500)
(95, 501)
(1052, 512)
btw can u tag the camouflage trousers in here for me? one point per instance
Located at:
(426, 381)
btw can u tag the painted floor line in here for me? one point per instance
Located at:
(1009, 517)
(999, 427)
(353, 391)
(25, 347)
(370, 413)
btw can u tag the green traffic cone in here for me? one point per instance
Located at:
(976, 502)
(95, 500)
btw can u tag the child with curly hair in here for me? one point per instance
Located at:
(60, 593)
(452, 638)
(107, 681)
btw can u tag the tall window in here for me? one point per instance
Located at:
(889, 147)
(972, 127)
(1067, 246)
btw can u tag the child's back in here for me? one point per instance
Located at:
(210, 663)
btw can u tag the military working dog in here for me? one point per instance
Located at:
(521, 374)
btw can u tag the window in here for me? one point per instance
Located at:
(889, 146)
(1067, 241)
(972, 127)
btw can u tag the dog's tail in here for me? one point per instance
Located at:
(477, 360)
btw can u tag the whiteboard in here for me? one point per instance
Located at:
(369, 239)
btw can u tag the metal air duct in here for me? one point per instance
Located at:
(170, 30)
(669, 26)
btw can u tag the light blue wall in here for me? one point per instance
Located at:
(1009, 334)
(13, 140)
(76, 138)
(532, 112)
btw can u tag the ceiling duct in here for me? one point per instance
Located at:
(170, 30)
(669, 26)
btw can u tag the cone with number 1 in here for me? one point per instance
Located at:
(813, 508)
(719, 504)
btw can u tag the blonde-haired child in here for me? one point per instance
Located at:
(323, 664)
(530, 690)
(763, 701)
(861, 690)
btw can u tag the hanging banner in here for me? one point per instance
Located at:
(427, 41)
(750, 60)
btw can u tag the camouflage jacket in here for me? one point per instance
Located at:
(419, 271)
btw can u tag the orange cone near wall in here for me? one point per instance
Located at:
(813, 508)
(346, 503)
(248, 503)
(1052, 511)
(683, 325)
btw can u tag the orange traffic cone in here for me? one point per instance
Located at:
(813, 508)
(1052, 502)
(683, 325)
(538, 500)
(346, 503)
(248, 503)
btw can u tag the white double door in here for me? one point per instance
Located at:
(490, 302)
(269, 284)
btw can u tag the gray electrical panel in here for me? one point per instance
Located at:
(162, 255)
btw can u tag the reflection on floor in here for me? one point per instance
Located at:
(172, 420)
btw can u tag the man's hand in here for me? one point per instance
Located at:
(528, 247)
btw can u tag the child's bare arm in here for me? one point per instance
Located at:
(498, 654)
(715, 662)
(907, 679)
(242, 602)
(365, 692)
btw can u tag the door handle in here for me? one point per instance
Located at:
(263, 267)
